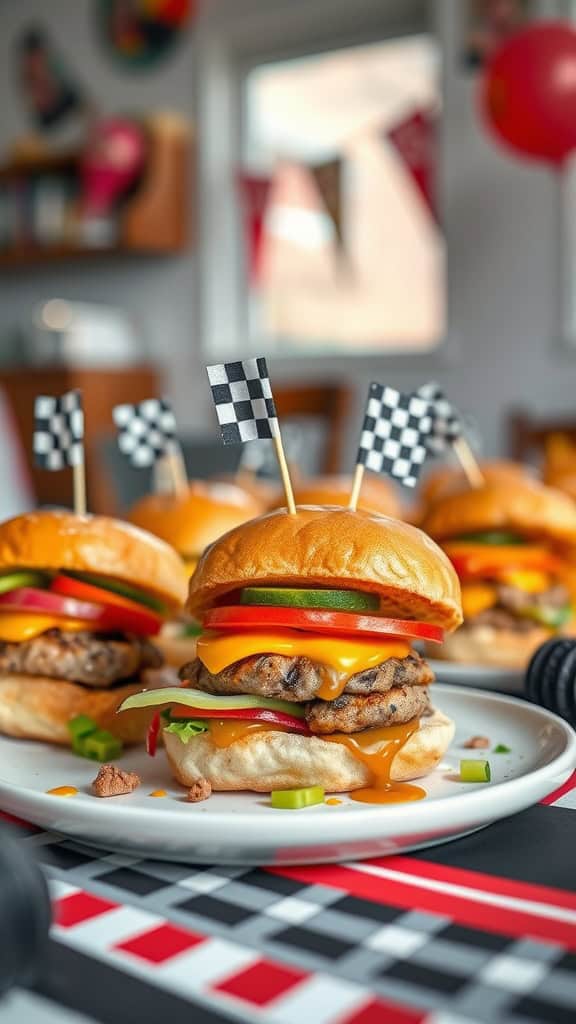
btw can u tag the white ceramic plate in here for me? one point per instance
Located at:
(502, 680)
(244, 829)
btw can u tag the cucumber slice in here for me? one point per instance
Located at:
(492, 537)
(296, 799)
(342, 600)
(119, 587)
(551, 617)
(14, 580)
(198, 699)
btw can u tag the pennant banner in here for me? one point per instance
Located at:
(255, 196)
(416, 141)
(328, 179)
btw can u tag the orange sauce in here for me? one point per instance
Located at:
(63, 791)
(332, 801)
(377, 748)
(158, 792)
(224, 732)
(333, 683)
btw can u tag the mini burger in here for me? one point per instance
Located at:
(377, 494)
(305, 672)
(446, 480)
(81, 600)
(190, 522)
(505, 541)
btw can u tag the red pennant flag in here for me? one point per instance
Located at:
(254, 196)
(415, 140)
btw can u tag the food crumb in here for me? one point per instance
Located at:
(112, 781)
(201, 790)
(477, 743)
(332, 801)
(158, 792)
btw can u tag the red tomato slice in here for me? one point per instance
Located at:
(100, 616)
(152, 735)
(248, 714)
(69, 587)
(316, 620)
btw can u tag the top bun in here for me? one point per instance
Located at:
(50, 539)
(523, 506)
(377, 495)
(448, 480)
(192, 521)
(333, 547)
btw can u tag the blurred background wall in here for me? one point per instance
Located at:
(502, 221)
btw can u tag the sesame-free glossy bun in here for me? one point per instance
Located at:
(192, 521)
(376, 495)
(333, 547)
(96, 544)
(446, 480)
(281, 760)
(526, 507)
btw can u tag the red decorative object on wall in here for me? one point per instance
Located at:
(415, 139)
(254, 196)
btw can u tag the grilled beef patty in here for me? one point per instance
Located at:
(90, 658)
(350, 713)
(299, 679)
(507, 613)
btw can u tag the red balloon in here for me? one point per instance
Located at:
(528, 92)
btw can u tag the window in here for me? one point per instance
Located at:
(361, 271)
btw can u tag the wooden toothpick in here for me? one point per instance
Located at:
(356, 486)
(79, 477)
(284, 473)
(177, 470)
(469, 462)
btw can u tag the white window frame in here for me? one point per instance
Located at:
(233, 36)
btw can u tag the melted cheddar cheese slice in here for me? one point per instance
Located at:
(342, 657)
(15, 627)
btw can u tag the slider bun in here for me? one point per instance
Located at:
(377, 494)
(333, 547)
(485, 645)
(50, 539)
(446, 480)
(192, 521)
(38, 708)
(526, 507)
(280, 760)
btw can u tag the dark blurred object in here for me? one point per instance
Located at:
(49, 91)
(25, 914)
(529, 436)
(101, 391)
(528, 94)
(140, 33)
(492, 22)
(551, 678)
(328, 403)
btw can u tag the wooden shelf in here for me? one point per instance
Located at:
(152, 221)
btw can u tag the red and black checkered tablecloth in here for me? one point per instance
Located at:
(478, 930)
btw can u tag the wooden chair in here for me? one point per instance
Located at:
(329, 404)
(528, 435)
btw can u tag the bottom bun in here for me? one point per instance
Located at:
(38, 708)
(485, 645)
(282, 760)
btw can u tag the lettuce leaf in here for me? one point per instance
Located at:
(184, 728)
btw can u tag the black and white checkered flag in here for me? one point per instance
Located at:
(146, 431)
(58, 431)
(447, 423)
(394, 434)
(243, 399)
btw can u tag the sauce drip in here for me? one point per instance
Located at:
(377, 748)
(333, 682)
(332, 801)
(224, 732)
(63, 791)
(158, 792)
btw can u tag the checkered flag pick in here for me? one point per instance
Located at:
(243, 399)
(146, 431)
(395, 432)
(447, 423)
(58, 431)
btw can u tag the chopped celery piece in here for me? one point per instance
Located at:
(81, 726)
(99, 746)
(197, 699)
(474, 771)
(294, 799)
(501, 749)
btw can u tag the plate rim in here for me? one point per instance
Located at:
(398, 815)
